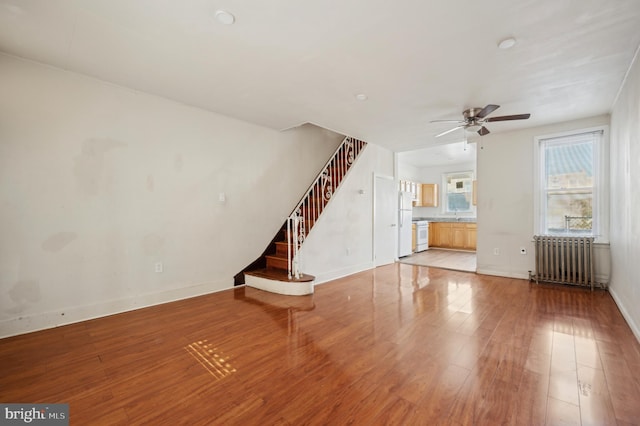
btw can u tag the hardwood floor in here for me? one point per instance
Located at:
(456, 260)
(399, 344)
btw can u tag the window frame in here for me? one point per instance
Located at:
(600, 204)
(445, 192)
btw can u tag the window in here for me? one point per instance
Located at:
(459, 190)
(571, 172)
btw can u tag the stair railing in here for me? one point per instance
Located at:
(293, 250)
(304, 215)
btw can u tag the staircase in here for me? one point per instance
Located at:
(278, 269)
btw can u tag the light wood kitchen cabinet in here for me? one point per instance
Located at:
(431, 231)
(424, 194)
(417, 202)
(458, 235)
(472, 236)
(413, 237)
(429, 195)
(453, 235)
(434, 234)
(414, 188)
(442, 234)
(435, 229)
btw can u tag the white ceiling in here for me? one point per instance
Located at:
(440, 155)
(287, 62)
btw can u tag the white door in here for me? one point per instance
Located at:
(385, 227)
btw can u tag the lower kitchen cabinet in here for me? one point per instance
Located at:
(458, 235)
(441, 234)
(454, 235)
(413, 237)
(431, 233)
(472, 236)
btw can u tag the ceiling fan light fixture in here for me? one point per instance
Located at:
(507, 43)
(474, 120)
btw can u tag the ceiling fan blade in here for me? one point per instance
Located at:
(483, 131)
(449, 131)
(487, 110)
(509, 117)
(446, 121)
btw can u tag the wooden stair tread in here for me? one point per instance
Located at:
(279, 275)
(281, 243)
(276, 256)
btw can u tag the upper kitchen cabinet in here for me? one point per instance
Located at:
(429, 195)
(424, 194)
(414, 188)
(407, 186)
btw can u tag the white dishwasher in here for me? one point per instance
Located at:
(422, 235)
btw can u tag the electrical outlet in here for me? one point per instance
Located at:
(523, 250)
(159, 267)
(348, 251)
(496, 251)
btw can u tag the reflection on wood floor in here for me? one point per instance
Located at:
(396, 345)
(440, 258)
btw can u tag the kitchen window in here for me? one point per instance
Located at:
(458, 192)
(571, 198)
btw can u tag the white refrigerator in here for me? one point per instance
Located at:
(404, 224)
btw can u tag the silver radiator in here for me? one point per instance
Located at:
(565, 260)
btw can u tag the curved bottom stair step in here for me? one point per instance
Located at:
(277, 281)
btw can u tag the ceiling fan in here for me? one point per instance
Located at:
(475, 118)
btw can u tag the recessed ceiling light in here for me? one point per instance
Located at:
(225, 17)
(507, 43)
(361, 97)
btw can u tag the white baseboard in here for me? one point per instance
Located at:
(601, 278)
(42, 321)
(634, 327)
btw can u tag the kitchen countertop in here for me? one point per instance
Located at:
(461, 219)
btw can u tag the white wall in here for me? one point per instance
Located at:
(98, 183)
(408, 172)
(505, 200)
(341, 241)
(625, 201)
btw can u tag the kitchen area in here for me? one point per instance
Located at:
(437, 206)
